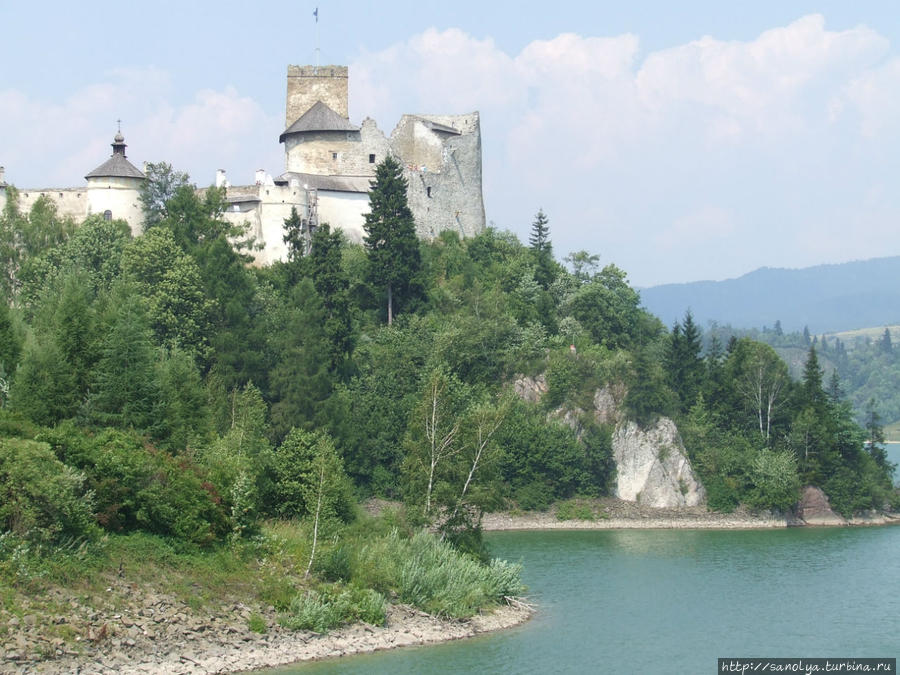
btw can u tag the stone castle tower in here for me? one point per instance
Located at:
(441, 154)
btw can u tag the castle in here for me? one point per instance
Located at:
(329, 163)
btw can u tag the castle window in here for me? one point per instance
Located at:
(428, 191)
(371, 159)
(107, 215)
(60, 195)
(334, 156)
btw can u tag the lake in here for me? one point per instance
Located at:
(673, 601)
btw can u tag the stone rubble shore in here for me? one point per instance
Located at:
(618, 514)
(139, 631)
(161, 636)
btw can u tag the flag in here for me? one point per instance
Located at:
(316, 14)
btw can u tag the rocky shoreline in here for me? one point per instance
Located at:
(158, 635)
(135, 630)
(618, 514)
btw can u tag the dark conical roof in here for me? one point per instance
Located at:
(318, 118)
(117, 166)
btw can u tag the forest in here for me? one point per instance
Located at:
(162, 384)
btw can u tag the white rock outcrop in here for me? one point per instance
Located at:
(652, 466)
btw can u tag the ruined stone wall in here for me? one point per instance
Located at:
(308, 84)
(444, 194)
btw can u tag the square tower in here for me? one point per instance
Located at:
(308, 84)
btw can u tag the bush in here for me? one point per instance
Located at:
(775, 482)
(42, 499)
(574, 509)
(320, 611)
(138, 487)
(433, 576)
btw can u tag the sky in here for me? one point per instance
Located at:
(679, 141)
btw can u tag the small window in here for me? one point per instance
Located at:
(107, 215)
(334, 156)
(371, 159)
(428, 191)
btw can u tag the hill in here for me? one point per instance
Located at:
(825, 298)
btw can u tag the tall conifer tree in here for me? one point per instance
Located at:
(390, 240)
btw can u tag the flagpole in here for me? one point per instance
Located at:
(316, 14)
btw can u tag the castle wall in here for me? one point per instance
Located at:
(308, 84)
(344, 210)
(70, 202)
(120, 196)
(444, 194)
(265, 208)
(357, 152)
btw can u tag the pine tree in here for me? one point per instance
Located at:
(812, 379)
(294, 236)
(539, 240)
(391, 243)
(884, 344)
(875, 434)
(545, 270)
(332, 285)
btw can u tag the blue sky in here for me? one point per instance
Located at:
(680, 141)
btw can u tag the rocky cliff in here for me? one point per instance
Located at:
(652, 467)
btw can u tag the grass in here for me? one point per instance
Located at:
(368, 562)
(575, 509)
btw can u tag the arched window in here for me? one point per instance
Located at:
(107, 215)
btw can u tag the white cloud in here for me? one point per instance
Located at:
(58, 143)
(767, 130)
(627, 152)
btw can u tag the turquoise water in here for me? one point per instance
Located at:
(668, 601)
(893, 454)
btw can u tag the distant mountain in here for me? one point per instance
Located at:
(825, 298)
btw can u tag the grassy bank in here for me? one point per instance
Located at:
(50, 598)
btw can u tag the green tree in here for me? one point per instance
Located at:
(542, 250)
(583, 265)
(884, 344)
(125, 390)
(44, 388)
(875, 435)
(609, 309)
(161, 184)
(296, 236)
(300, 382)
(390, 239)
(812, 391)
(647, 397)
(761, 379)
(683, 363)
(297, 467)
(171, 285)
(332, 287)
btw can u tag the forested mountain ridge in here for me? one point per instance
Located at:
(824, 298)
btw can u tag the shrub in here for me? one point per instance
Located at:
(320, 611)
(574, 509)
(775, 483)
(432, 575)
(41, 498)
(138, 487)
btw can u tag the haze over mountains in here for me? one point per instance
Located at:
(825, 298)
